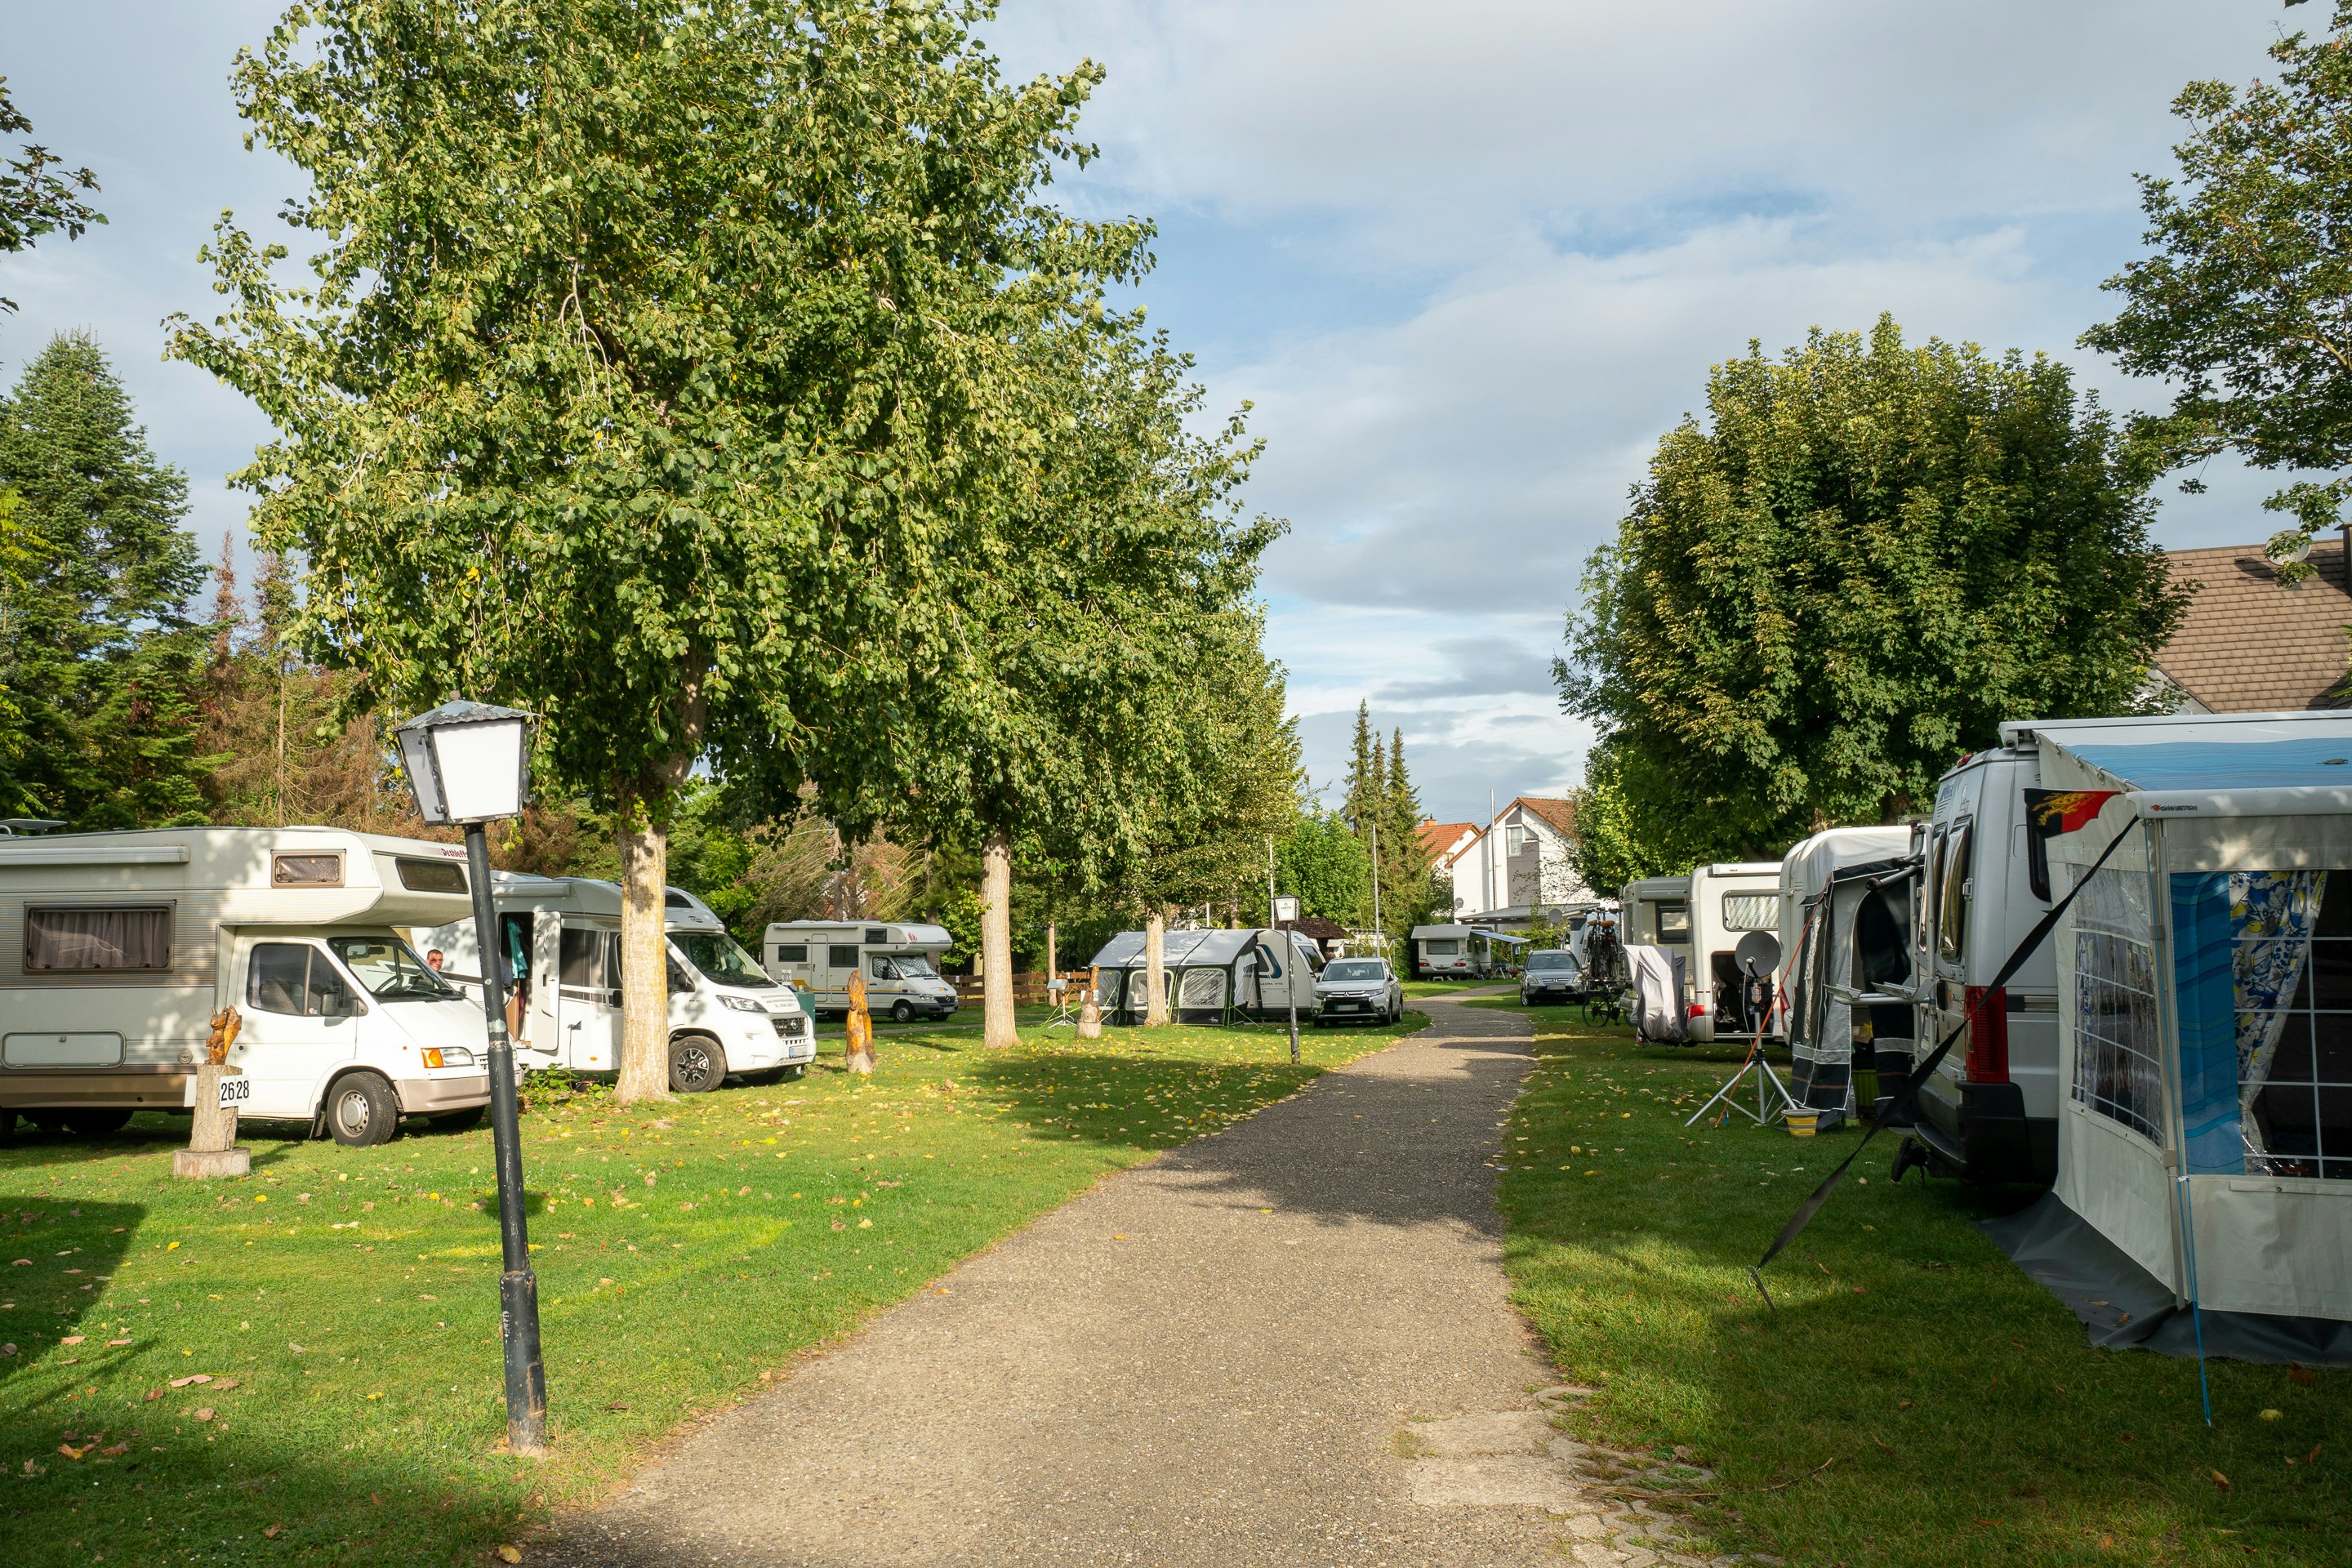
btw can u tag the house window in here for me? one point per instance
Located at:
(1515, 841)
(97, 940)
(2115, 1064)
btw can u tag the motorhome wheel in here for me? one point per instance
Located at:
(696, 1064)
(361, 1111)
(456, 1120)
(902, 1011)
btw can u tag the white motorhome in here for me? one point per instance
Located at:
(1990, 1113)
(1702, 917)
(900, 962)
(562, 937)
(116, 948)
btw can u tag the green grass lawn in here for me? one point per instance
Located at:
(1916, 1400)
(343, 1303)
(1447, 987)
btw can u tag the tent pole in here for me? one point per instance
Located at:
(2167, 1060)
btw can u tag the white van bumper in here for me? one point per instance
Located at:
(771, 1040)
(454, 1091)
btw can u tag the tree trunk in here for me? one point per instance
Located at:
(1155, 968)
(645, 954)
(996, 941)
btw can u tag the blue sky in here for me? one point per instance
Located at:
(1467, 261)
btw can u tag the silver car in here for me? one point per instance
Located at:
(1551, 975)
(1358, 988)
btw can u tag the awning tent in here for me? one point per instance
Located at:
(1845, 915)
(2205, 986)
(1211, 977)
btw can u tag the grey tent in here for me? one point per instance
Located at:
(1211, 977)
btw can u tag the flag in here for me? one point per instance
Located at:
(2048, 813)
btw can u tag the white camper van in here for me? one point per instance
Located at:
(116, 948)
(900, 962)
(1990, 1113)
(562, 937)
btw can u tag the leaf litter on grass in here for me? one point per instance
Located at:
(1639, 1287)
(948, 1149)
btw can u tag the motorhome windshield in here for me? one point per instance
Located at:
(904, 966)
(720, 958)
(390, 969)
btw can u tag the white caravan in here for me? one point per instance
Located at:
(562, 937)
(900, 962)
(116, 948)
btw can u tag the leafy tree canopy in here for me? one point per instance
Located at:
(2245, 302)
(1867, 558)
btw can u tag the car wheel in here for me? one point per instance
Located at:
(361, 1111)
(902, 1012)
(456, 1120)
(696, 1064)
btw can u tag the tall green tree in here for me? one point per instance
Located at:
(2244, 303)
(1115, 558)
(98, 653)
(1407, 894)
(1322, 861)
(659, 355)
(38, 194)
(1867, 558)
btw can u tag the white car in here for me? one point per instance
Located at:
(1358, 988)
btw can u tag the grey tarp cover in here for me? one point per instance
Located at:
(2126, 1308)
(1657, 992)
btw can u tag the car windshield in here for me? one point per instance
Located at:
(1550, 961)
(720, 957)
(390, 969)
(1354, 969)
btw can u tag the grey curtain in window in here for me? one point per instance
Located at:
(98, 939)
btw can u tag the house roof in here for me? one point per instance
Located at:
(1439, 839)
(2251, 645)
(1558, 815)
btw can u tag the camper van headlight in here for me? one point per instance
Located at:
(448, 1057)
(743, 1003)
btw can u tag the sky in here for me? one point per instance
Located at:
(1466, 263)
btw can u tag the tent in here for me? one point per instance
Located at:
(1845, 920)
(2205, 1035)
(1211, 977)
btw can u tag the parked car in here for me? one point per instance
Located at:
(1552, 974)
(1364, 988)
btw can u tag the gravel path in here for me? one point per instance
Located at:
(1285, 1344)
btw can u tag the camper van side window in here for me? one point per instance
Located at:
(1952, 916)
(841, 958)
(320, 870)
(295, 978)
(97, 940)
(793, 953)
(875, 933)
(1751, 911)
(431, 875)
(1673, 922)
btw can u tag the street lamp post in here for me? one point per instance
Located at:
(1284, 910)
(469, 764)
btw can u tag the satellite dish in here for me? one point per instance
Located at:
(1758, 954)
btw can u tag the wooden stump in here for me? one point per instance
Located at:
(1090, 1016)
(859, 1058)
(212, 1150)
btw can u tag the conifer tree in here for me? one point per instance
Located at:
(97, 655)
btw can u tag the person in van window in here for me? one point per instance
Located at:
(433, 958)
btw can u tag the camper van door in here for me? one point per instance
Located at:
(301, 1021)
(588, 978)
